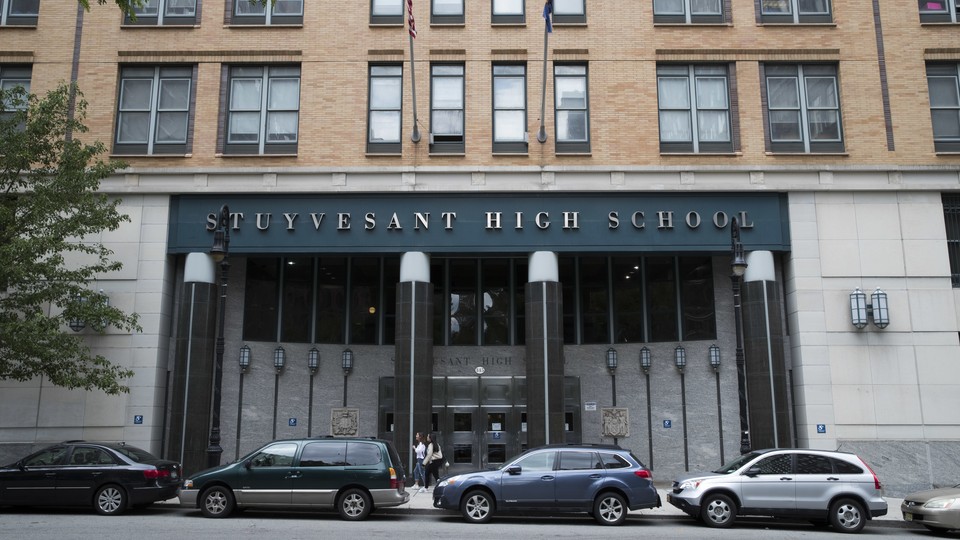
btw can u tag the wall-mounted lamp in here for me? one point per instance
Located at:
(313, 360)
(244, 358)
(645, 359)
(612, 359)
(645, 363)
(77, 324)
(680, 357)
(279, 358)
(860, 310)
(715, 357)
(347, 360)
(100, 324)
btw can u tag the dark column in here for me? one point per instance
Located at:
(544, 359)
(766, 365)
(414, 330)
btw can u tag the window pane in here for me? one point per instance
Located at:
(331, 299)
(713, 126)
(448, 7)
(388, 7)
(284, 94)
(385, 93)
(572, 125)
(814, 6)
(824, 125)
(245, 94)
(696, 297)
(943, 92)
(364, 299)
(385, 126)
(246, 7)
(775, 7)
(150, 8)
(668, 7)
(662, 298)
(172, 127)
(496, 302)
(509, 126)
(711, 93)
(568, 7)
(675, 126)
(244, 127)
(933, 6)
(946, 124)
(463, 302)
(178, 8)
(508, 93)
(134, 127)
(627, 300)
(674, 92)
(821, 92)
(261, 299)
(297, 299)
(288, 7)
(705, 7)
(448, 93)
(135, 94)
(447, 123)
(282, 127)
(785, 125)
(783, 93)
(174, 94)
(24, 7)
(508, 7)
(571, 93)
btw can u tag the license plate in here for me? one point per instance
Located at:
(907, 516)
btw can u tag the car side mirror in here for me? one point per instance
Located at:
(248, 463)
(21, 466)
(514, 469)
(752, 471)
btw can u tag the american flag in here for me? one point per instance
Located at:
(410, 23)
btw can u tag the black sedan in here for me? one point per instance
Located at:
(110, 477)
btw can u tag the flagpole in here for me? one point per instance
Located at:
(542, 132)
(415, 136)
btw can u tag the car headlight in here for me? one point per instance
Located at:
(449, 481)
(188, 484)
(942, 503)
(690, 484)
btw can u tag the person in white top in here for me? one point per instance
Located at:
(418, 470)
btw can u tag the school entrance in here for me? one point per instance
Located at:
(480, 421)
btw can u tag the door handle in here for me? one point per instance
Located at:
(833, 478)
(784, 478)
(50, 474)
(297, 474)
(546, 477)
(595, 476)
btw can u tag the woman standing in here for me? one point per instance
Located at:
(418, 471)
(433, 458)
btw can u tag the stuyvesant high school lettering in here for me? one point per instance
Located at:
(421, 221)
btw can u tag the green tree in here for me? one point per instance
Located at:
(50, 209)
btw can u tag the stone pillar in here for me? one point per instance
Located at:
(544, 355)
(413, 375)
(763, 342)
(192, 376)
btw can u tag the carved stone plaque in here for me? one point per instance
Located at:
(615, 421)
(344, 422)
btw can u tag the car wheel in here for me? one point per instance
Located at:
(718, 511)
(846, 515)
(354, 505)
(217, 502)
(610, 509)
(110, 500)
(477, 507)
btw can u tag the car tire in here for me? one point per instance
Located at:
(847, 516)
(718, 511)
(110, 500)
(477, 506)
(354, 505)
(610, 508)
(217, 502)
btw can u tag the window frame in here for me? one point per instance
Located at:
(572, 17)
(693, 109)
(164, 19)
(452, 18)
(448, 143)
(262, 146)
(950, 13)
(268, 18)
(518, 17)
(804, 145)
(152, 146)
(7, 18)
(951, 220)
(385, 147)
(686, 16)
(571, 146)
(795, 16)
(15, 74)
(508, 146)
(944, 71)
(388, 20)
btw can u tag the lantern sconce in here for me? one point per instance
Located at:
(715, 357)
(77, 324)
(244, 359)
(347, 359)
(680, 357)
(279, 358)
(313, 360)
(861, 311)
(645, 359)
(612, 359)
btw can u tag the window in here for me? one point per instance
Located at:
(263, 109)
(15, 85)
(261, 299)
(360, 454)
(688, 11)
(578, 461)
(795, 11)
(939, 11)
(165, 12)
(694, 106)
(446, 12)
(803, 108)
(813, 464)
(19, 12)
(446, 109)
(386, 11)
(782, 464)
(324, 454)
(943, 81)
(569, 11)
(537, 463)
(282, 12)
(153, 110)
(386, 99)
(275, 455)
(572, 113)
(507, 11)
(46, 457)
(951, 218)
(509, 108)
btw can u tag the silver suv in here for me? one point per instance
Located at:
(836, 488)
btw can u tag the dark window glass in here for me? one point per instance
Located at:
(463, 421)
(360, 453)
(90, 456)
(496, 301)
(782, 464)
(440, 305)
(813, 464)
(462, 453)
(331, 299)
(297, 299)
(843, 467)
(538, 462)
(613, 461)
(49, 456)
(323, 454)
(662, 298)
(576, 461)
(463, 302)
(261, 299)
(391, 276)
(365, 299)
(594, 300)
(696, 298)
(627, 300)
(275, 455)
(520, 275)
(568, 283)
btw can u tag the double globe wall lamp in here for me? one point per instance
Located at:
(860, 310)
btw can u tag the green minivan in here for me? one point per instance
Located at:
(354, 475)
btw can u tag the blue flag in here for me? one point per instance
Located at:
(547, 11)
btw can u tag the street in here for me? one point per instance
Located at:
(172, 522)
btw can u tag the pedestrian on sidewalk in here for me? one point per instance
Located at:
(433, 458)
(419, 473)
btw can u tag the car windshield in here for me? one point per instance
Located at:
(134, 453)
(737, 463)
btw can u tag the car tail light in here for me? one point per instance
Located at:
(154, 474)
(394, 481)
(643, 473)
(876, 481)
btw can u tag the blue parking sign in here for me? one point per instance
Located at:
(821, 428)
(292, 422)
(668, 424)
(138, 419)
